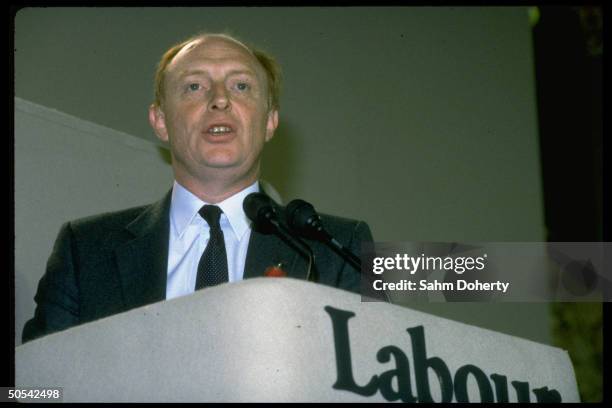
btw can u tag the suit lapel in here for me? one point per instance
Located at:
(143, 261)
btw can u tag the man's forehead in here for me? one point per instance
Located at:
(214, 47)
(217, 39)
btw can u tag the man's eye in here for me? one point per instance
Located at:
(242, 86)
(193, 87)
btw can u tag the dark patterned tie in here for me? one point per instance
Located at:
(212, 269)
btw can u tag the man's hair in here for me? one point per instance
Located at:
(270, 66)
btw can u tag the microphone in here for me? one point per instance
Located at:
(262, 211)
(304, 220)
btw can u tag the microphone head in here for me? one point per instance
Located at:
(303, 218)
(260, 210)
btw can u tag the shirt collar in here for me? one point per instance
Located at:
(185, 205)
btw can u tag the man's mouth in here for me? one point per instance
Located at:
(219, 130)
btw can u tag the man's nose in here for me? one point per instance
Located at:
(219, 99)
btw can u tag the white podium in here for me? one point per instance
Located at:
(280, 339)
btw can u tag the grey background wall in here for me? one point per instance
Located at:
(421, 121)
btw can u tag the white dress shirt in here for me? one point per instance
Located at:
(189, 235)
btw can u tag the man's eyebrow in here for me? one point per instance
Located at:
(242, 71)
(190, 72)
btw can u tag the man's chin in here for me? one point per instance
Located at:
(221, 157)
(221, 164)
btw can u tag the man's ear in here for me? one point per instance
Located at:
(157, 120)
(272, 124)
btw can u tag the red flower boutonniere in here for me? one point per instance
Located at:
(275, 271)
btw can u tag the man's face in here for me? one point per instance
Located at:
(215, 112)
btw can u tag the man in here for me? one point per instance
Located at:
(216, 106)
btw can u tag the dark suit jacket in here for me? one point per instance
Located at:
(114, 262)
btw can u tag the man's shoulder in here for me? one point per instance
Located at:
(337, 225)
(109, 220)
(338, 220)
(106, 230)
(98, 235)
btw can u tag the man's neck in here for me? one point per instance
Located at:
(212, 192)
